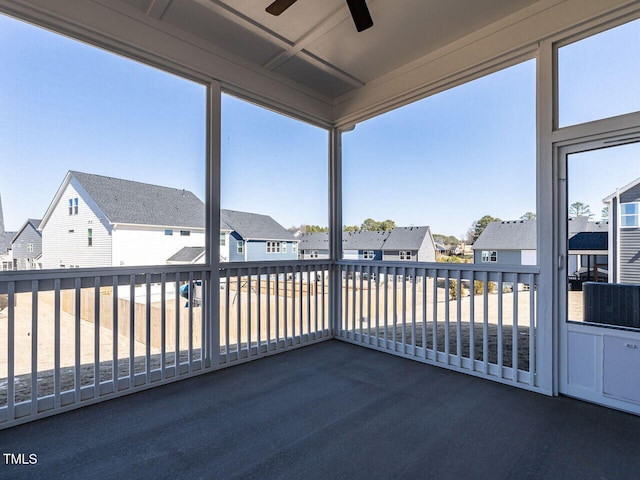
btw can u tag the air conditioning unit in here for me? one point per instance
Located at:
(612, 304)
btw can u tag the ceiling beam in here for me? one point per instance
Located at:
(157, 8)
(290, 48)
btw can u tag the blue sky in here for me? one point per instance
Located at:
(444, 161)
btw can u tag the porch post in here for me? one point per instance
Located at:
(214, 124)
(335, 229)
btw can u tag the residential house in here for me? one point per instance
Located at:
(507, 243)
(98, 221)
(514, 243)
(27, 246)
(253, 237)
(624, 233)
(400, 244)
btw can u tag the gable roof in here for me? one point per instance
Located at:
(187, 255)
(35, 223)
(400, 238)
(364, 240)
(508, 235)
(582, 224)
(628, 186)
(253, 226)
(314, 241)
(406, 238)
(5, 241)
(130, 202)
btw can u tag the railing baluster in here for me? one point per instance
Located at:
(268, 308)
(404, 310)
(472, 316)
(176, 361)
(532, 330)
(514, 339)
(459, 316)
(424, 314)
(277, 308)
(259, 309)
(163, 325)
(292, 304)
(238, 313)
(308, 297)
(361, 301)
(191, 297)
(394, 316)
(500, 359)
(78, 342)
(447, 339)
(485, 326)
(413, 310)
(354, 304)
(34, 347)
(435, 314)
(227, 316)
(11, 351)
(132, 330)
(96, 337)
(249, 319)
(369, 305)
(147, 360)
(56, 345)
(115, 353)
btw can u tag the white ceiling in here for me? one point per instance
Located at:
(315, 44)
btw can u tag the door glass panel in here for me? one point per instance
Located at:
(603, 237)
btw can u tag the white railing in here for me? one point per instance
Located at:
(471, 318)
(267, 308)
(69, 338)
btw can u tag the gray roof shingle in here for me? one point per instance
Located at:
(187, 254)
(253, 226)
(126, 201)
(508, 235)
(406, 238)
(314, 241)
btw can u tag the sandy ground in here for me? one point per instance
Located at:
(46, 335)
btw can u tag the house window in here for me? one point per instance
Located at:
(73, 206)
(313, 254)
(71, 230)
(223, 239)
(29, 247)
(168, 231)
(90, 237)
(273, 247)
(294, 248)
(240, 246)
(368, 255)
(629, 215)
(185, 233)
(489, 256)
(284, 247)
(405, 255)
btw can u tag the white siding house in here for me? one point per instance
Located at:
(97, 221)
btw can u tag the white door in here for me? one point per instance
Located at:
(599, 271)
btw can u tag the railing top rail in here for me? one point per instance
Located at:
(274, 264)
(63, 273)
(464, 267)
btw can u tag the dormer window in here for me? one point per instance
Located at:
(73, 206)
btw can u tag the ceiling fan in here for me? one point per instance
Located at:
(358, 8)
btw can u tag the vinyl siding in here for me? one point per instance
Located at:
(147, 245)
(20, 250)
(62, 247)
(257, 252)
(505, 257)
(631, 195)
(629, 255)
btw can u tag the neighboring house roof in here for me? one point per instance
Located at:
(253, 226)
(521, 234)
(589, 241)
(5, 241)
(314, 241)
(508, 235)
(582, 224)
(35, 223)
(129, 202)
(400, 238)
(364, 240)
(406, 238)
(187, 255)
(628, 186)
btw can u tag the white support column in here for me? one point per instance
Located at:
(212, 304)
(547, 221)
(335, 227)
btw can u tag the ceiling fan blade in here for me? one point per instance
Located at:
(360, 13)
(279, 6)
